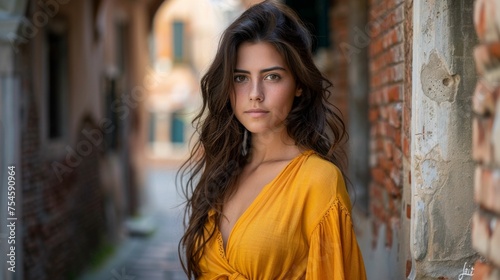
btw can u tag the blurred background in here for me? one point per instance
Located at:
(97, 99)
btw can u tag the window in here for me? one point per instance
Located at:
(152, 127)
(177, 133)
(111, 114)
(56, 86)
(178, 41)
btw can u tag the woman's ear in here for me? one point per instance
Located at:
(298, 92)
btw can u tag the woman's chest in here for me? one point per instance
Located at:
(267, 236)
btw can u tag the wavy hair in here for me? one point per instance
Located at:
(208, 177)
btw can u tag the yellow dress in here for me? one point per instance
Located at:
(298, 227)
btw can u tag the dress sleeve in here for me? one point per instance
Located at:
(333, 249)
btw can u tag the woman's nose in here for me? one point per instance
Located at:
(257, 92)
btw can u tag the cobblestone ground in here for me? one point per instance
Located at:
(158, 258)
(153, 257)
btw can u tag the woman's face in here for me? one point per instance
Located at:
(264, 88)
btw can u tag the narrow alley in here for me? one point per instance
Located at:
(151, 253)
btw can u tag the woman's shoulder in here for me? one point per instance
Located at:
(322, 180)
(320, 170)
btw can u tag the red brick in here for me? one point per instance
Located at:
(384, 113)
(375, 192)
(481, 270)
(379, 212)
(394, 93)
(495, 241)
(376, 11)
(478, 184)
(397, 140)
(380, 145)
(480, 10)
(483, 99)
(387, 130)
(388, 149)
(394, 18)
(390, 4)
(377, 95)
(373, 98)
(483, 182)
(373, 131)
(375, 81)
(378, 175)
(391, 188)
(485, 56)
(374, 27)
(495, 136)
(485, 15)
(491, 190)
(480, 234)
(384, 163)
(393, 37)
(481, 135)
(398, 158)
(379, 63)
(395, 115)
(396, 176)
(376, 47)
(397, 53)
(387, 77)
(373, 115)
(373, 145)
(398, 73)
(390, 38)
(391, 207)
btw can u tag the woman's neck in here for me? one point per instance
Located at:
(272, 147)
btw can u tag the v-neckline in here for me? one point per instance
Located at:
(225, 247)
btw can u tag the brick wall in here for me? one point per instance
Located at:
(339, 17)
(387, 72)
(63, 220)
(486, 140)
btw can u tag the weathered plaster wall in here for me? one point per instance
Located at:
(442, 175)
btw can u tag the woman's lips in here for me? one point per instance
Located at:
(256, 112)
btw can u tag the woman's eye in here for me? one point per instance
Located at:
(239, 78)
(272, 77)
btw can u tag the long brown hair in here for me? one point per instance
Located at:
(208, 177)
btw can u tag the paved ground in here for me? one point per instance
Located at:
(154, 257)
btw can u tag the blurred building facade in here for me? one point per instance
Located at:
(73, 78)
(184, 40)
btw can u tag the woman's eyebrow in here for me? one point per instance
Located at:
(274, 68)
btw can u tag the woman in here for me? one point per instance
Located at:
(265, 199)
